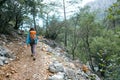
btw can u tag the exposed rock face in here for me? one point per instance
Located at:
(6, 41)
(58, 76)
(62, 72)
(56, 67)
(5, 56)
(63, 67)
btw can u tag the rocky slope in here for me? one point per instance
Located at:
(51, 63)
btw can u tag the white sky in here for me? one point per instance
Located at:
(83, 1)
(70, 9)
(86, 1)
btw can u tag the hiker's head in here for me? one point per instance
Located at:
(31, 29)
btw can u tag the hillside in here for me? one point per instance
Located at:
(51, 63)
(101, 6)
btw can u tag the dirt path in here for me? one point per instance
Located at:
(24, 68)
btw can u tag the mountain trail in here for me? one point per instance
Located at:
(23, 67)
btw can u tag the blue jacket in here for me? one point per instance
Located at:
(28, 40)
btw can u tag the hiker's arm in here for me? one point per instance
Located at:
(36, 39)
(28, 39)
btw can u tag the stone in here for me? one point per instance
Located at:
(3, 58)
(1, 63)
(5, 55)
(58, 76)
(56, 67)
(70, 73)
(6, 62)
(3, 36)
(70, 65)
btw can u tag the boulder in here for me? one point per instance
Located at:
(58, 76)
(1, 63)
(70, 74)
(56, 67)
(5, 55)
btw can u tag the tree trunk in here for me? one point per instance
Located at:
(34, 15)
(65, 37)
(16, 23)
(75, 41)
(88, 50)
(73, 52)
(114, 25)
(34, 22)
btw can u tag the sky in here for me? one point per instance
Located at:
(69, 7)
(70, 10)
(83, 1)
(86, 1)
(75, 8)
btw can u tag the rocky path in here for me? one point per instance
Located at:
(24, 68)
(50, 64)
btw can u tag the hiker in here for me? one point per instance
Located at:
(32, 41)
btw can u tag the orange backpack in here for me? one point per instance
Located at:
(32, 37)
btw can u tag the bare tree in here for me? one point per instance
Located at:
(65, 37)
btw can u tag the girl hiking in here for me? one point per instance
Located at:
(32, 41)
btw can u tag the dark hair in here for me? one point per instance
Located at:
(31, 29)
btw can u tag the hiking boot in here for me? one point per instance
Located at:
(31, 55)
(34, 59)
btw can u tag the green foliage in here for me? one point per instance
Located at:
(113, 15)
(15, 17)
(96, 42)
(53, 29)
(92, 77)
(105, 49)
(19, 11)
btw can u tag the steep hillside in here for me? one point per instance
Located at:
(50, 64)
